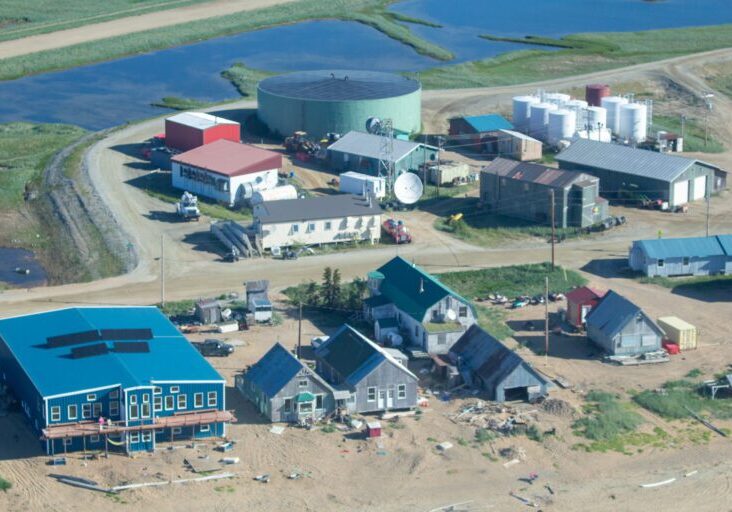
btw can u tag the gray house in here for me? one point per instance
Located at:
(362, 152)
(208, 311)
(523, 190)
(486, 364)
(283, 389)
(372, 380)
(696, 256)
(626, 172)
(428, 314)
(621, 328)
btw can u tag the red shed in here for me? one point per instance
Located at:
(579, 303)
(373, 429)
(190, 130)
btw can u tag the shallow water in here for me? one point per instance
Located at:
(11, 258)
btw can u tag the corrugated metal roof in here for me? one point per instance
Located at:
(536, 173)
(339, 85)
(676, 323)
(691, 247)
(413, 290)
(617, 158)
(488, 123)
(612, 313)
(519, 135)
(230, 158)
(314, 208)
(583, 294)
(199, 120)
(368, 145)
(171, 357)
(275, 369)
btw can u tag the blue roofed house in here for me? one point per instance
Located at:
(427, 313)
(284, 389)
(494, 134)
(695, 256)
(621, 328)
(128, 365)
(488, 365)
(366, 378)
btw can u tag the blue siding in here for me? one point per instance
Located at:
(13, 375)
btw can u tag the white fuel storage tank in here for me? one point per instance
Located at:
(522, 111)
(613, 104)
(633, 122)
(562, 125)
(540, 119)
(556, 98)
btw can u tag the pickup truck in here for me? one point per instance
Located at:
(212, 348)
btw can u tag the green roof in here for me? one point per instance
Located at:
(413, 290)
(375, 274)
(304, 397)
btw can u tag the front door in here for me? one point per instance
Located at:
(390, 398)
(382, 398)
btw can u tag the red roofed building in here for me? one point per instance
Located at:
(189, 130)
(580, 302)
(226, 171)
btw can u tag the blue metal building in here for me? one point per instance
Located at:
(694, 256)
(109, 378)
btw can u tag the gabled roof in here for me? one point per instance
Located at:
(230, 158)
(485, 356)
(583, 294)
(488, 123)
(315, 208)
(276, 369)
(612, 313)
(54, 370)
(368, 145)
(519, 135)
(617, 158)
(536, 173)
(353, 355)
(199, 120)
(412, 290)
(692, 247)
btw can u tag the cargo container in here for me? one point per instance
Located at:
(362, 184)
(679, 332)
(449, 173)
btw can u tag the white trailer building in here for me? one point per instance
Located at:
(362, 184)
(317, 220)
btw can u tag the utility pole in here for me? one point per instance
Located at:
(708, 102)
(683, 123)
(162, 270)
(299, 331)
(708, 201)
(546, 321)
(551, 193)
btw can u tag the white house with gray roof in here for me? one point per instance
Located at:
(317, 220)
(628, 173)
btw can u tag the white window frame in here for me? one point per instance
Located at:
(157, 390)
(177, 431)
(204, 429)
(86, 411)
(401, 391)
(320, 398)
(295, 228)
(145, 410)
(114, 408)
(158, 403)
(56, 413)
(327, 225)
(213, 399)
(146, 398)
(146, 436)
(114, 394)
(91, 397)
(136, 409)
(197, 400)
(68, 441)
(133, 400)
(96, 409)
(302, 383)
(76, 412)
(182, 402)
(369, 392)
(175, 389)
(170, 399)
(311, 227)
(661, 263)
(94, 439)
(134, 437)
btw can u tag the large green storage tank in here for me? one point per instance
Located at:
(338, 101)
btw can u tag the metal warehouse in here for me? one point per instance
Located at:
(117, 378)
(338, 101)
(695, 256)
(189, 130)
(630, 173)
(226, 171)
(522, 190)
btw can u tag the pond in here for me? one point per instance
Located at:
(12, 260)
(111, 93)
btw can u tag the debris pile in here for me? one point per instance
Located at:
(558, 407)
(501, 418)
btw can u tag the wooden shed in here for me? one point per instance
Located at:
(580, 302)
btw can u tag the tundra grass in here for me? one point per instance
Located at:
(676, 396)
(697, 282)
(693, 133)
(609, 424)
(177, 103)
(368, 12)
(5, 484)
(244, 79)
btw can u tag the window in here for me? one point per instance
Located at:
(146, 437)
(135, 437)
(295, 228)
(526, 187)
(86, 411)
(91, 398)
(306, 407)
(114, 408)
(318, 402)
(660, 263)
(174, 389)
(416, 330)
(303, 383)
(198, 400)
(55, 413)
(205, 428)
(134, 411)
(97, 410)
(94, 439)
(463, 311)
(157, 390)
(67, 441)
(371, 394)
(73, 412)
(311, 227)
(133, 399)
(145, 410)
(146, 398)
(182, 402)
(288, 404)
(169, 403)
(212, 399)
(158, 404)
(402, 391)
(685, 261)
(177, 430)
(328, 225)
(114, 394)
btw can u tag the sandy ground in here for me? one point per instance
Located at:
(128, 25)
(406, 473)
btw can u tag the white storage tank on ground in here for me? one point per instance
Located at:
(562, 125)
(613, 104)
(633, 122)
(595, 118)
(522, 111)
(556, 98)
(601, 135)
(274, 194)
(539, 119)
(578, 107)
(361, 184)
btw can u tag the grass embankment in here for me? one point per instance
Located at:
(678, 396)
(176, 103)
(368, 12)
(578, 53)
(698, 282)
(244, 79)
(157, 185)
(693, 133)
(23, 18)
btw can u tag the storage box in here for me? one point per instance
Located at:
(677, 331)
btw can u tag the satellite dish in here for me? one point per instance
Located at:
(408, 188)
(451, 315)
(373, 125)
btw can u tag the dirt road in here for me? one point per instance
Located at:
(128, 25)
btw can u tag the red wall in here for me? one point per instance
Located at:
(222, 131)
(182, 137)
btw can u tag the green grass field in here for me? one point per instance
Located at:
(23, 18)
(177, 103)
(244, 79)
(693, 133)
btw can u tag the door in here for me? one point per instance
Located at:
(681, 193)
(382, 399)
(390, 398)
(700, 187)
(585, 311)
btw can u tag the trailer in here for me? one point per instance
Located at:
(362, 184)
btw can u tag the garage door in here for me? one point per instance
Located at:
(681, 193)
(700, 187)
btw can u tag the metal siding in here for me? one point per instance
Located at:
(182, 137)
(221, 131)
(291, 389)
(384, 376)
(12, 374)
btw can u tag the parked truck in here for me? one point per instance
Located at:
(187, 207)
(397, 230)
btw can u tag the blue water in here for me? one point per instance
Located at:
(111, 93)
